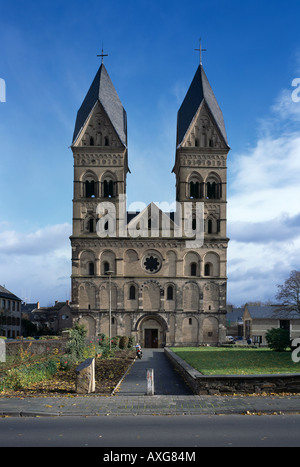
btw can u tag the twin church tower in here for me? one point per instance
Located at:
(157, 276)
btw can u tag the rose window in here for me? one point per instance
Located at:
(151, 263)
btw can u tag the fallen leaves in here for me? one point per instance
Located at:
(108, 373)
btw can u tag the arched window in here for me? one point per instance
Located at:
(91, 141)
(209, 226)
(108, 189)
(195, 186)
(91, 269)
(194, 190)
(106, 141)
(91, 225)
(170, 293)
(193, 269)
(132, 292)
(90, 189)
(105, 267)
(208, 269)
(213, 187)
(211, 190)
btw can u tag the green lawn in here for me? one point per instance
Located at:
(237, 361)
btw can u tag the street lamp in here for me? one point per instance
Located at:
(109, 273)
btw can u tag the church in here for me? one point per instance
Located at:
(160, 277)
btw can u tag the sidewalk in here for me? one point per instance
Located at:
(148, 405)
(172, 397)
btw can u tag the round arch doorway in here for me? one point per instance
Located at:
(151, 332)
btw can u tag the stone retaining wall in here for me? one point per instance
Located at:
(233, 384)
(36, 347)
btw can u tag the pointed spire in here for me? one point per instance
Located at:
(102, 90)
(199, 91)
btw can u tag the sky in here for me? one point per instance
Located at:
(48, 59)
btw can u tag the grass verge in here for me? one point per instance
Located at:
(237, 361)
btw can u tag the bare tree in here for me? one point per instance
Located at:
(289, 293)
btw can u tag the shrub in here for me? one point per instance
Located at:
(66, 362)
(131, 342)
(115, 342)
(90, 350)
(278, 339)
(123, 344)
(76, 344)
(107, 353)
(103, 340)
(26, 375)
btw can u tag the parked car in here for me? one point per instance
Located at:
(230, 339)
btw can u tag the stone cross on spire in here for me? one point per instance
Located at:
(102, 55)
(200, 50)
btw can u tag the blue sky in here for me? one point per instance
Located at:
(48, 61)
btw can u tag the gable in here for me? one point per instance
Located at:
(151, 222)
(203, 131)
(98, 130)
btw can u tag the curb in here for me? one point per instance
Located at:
(29, 414)
(123, 377)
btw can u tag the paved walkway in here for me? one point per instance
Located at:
(166, 380)
(172, 397)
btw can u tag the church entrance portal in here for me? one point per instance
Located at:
(151, 332)
(151, 338)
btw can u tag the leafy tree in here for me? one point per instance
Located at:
(289, 293)
(278, 339)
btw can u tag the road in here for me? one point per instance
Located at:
(152, 431)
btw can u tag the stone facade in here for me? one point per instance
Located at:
(165, 285)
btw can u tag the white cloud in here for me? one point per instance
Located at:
(37, 265)
(266, 180)
(287, 104)
(264, 208)
(43, 240)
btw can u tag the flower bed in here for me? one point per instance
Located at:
(23, 376)
(108, 372)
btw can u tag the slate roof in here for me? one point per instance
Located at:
(235, 316)
(102, 90)
(4, 293)
(57, 307)
(272, 312)
(199, 91)
(28, 307)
